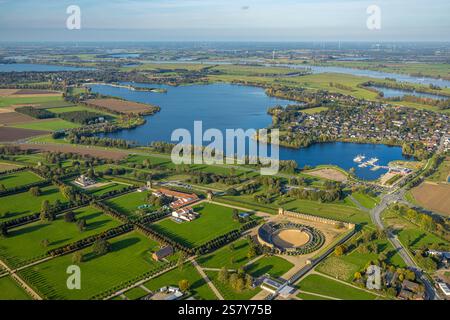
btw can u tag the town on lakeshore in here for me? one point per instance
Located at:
(93, 207)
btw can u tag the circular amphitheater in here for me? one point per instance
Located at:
(290, 238)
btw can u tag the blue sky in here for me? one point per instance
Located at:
(221, 20)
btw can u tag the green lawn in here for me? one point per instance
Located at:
(22, 204)
(229, 293)
(105, 189)
(273, 265)
(25, 243)
(329, 210)
(10, 290)
(318, 284)
(135, 293)
(365, 200)
(18, 179)
(130, 257)
(48, 125)
(305, 296)
(198, 287)
(128, 204)
(214, 220)
(225, 257)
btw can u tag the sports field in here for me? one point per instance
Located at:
(18, 179)
(26, 243)
(214, 220)
(22, 204)
(130, 257)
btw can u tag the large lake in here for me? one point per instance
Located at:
(31, 67)
(226, 106)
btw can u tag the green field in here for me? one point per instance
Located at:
(198, 287)
(136, 293)
(60, 110)
(11, 100)
(130, 257)
(305, 296)
(10, 290)
(105, 189)
(273, 265)
(25, 243)
(321, 285)
(365, 200)
(128, 204)
(18, 179)
(48, 125)
(22, 204)
(228, 292)
(214, 221)
(225, 257)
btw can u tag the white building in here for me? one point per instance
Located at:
(185, 214)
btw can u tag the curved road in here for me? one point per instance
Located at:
(375, 214)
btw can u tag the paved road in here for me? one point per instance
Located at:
(375, 214)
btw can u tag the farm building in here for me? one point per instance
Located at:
(162, 253)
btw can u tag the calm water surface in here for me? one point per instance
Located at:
(226, 106)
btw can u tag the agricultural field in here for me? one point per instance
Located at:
(26, 243)
(198, 287)
(128, 204)
(318, 284)
(8, 118)
(8, 166)
(28, 100)
(433, 196)
(17, 179)
(122, 106)
(22, 204)
(8, 134)
(10, 290)
(231, 258)
(130, 257)
(214, 220)
(47, 125)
